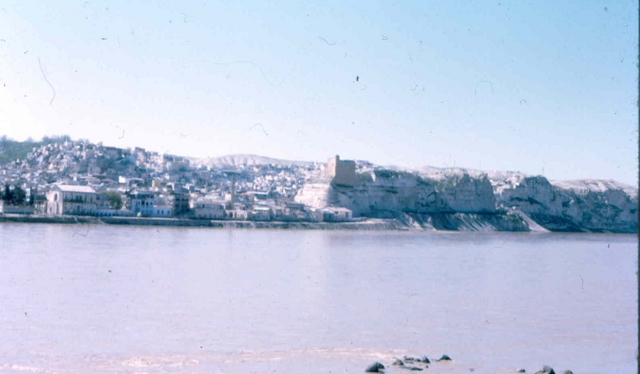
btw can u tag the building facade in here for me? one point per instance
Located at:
(73, 200)
(143, 203)
(336, 214)
(208, 209)
(180, 204)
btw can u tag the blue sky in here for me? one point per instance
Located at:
(542, 87)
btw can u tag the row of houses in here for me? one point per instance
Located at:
(84, 200)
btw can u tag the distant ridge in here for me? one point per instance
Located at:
(579, 186)
(245, 160)
(11, 150)
(495, 176)
(441, 173)
(595, 185)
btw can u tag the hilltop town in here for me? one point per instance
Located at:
(77, 179)
(80, 178)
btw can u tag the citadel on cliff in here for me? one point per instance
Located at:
(77, 178)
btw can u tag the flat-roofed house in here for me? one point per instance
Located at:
(336, 214)
(208, 209)
(260, 213)
(147, 204)
(180, 203)
(68, 199)
(294, 206)
(142, 202)
(162, 211)
(237, 214)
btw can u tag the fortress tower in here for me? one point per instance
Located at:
(341, 172)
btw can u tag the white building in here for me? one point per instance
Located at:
(260, 213)
(144, 204)
(67, 199)
(237, 214)
(161, 211)
(336, 214)
(141, 202)
(208, 209)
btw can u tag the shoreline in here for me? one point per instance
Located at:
(373, 224)
(368, 224)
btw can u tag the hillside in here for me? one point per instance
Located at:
(244, 160)
(11, 150)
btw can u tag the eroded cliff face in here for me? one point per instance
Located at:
(452, 202)
(316, 195)
(383, 193)
(388, 191)
(466, 194)
(597, 206)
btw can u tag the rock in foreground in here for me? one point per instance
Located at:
(546, 369)
(376, 367)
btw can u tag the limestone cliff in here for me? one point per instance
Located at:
(460, 201)
(589, 205)
(383, 190)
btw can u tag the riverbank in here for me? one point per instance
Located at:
(21, 218)
(370, 224)
(374, 224)
(511, 222)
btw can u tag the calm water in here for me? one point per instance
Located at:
(145, 299)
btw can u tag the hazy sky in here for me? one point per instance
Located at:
(540, 87)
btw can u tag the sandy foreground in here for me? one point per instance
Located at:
(320, 360)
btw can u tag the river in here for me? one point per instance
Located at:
(106, 299)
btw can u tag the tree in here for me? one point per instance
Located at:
(115, 200)
(18, 196)
(32, 196)
(6, 196)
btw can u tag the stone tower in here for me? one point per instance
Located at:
(341, 172)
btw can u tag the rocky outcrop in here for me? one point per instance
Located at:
(461, 201)
(499, 221)
(386, 192)
(574, 206)
(316, 195)
(466, 194)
